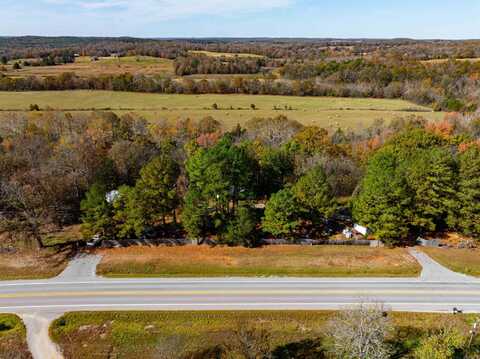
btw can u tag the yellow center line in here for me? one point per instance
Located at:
(246, 292)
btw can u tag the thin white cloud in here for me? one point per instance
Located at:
(101, 4)
(171, 9)
(142, 18)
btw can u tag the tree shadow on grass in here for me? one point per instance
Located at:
(215, 352)
(305, 349)
(404, 341)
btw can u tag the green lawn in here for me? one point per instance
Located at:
(13, 338)
(148, 335)
(272, 261)
(326, 112)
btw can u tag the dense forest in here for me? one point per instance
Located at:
(124, 178)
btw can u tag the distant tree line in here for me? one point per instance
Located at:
(29, 47)
(192, 65)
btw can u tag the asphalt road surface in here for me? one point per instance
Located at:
(236, 294)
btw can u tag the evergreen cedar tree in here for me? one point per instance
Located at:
(282, 216)
(314, 195)
(97, 213)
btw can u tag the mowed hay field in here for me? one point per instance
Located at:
(272, 261)
(86, 67)
(289, 334)
(13, 342)
(460, 260)
(328, 112)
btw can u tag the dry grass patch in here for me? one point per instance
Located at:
(459, 260)
(85, 67)
(30, 264)
(302, 261)
(130, 335)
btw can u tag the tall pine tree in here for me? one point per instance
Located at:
(314, 195)
(469, 192)
(383, 201)
(431, 178)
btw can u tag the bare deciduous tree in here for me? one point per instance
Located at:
(28, 216)
(360, 333)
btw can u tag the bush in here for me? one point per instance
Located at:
(444, 344)
(452, 104)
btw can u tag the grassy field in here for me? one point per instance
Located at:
(300, 261)
(85, 67)
(354, 113)
(295, 334)
(31, 265)
(224, 54)
(441, 61)
(12, 338)
(460, 260)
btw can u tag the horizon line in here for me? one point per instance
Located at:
(243, 38)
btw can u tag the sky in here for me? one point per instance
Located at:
(446, 19)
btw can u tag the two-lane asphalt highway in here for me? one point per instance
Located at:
(79, 289)
(236, 294)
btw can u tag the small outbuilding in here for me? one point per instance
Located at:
(361, 230)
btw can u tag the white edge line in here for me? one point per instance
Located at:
(319, 306)
(259, 281)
